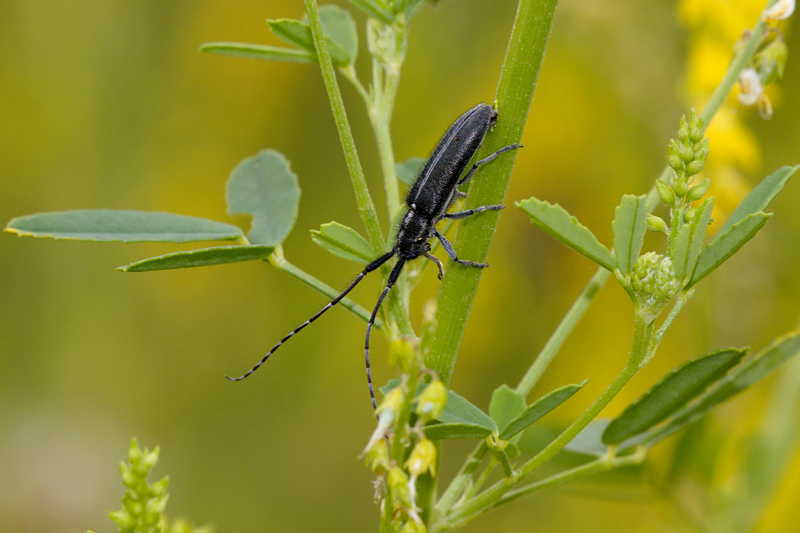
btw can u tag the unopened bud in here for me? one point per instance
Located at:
(680, 187)
(404, 352)
(699, 190)
(690, 214)
(666, 194)
(422, 459)
(695, 167)
(656, 224)
(430, 403)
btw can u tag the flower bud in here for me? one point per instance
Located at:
(404, 352)
(412, 526)
(780, 10)
(695, 167)
(430, 403)
(422, 459)
(397, 481)
(699, 190)
(772, 60)
(686, 152)
(750, 87)
(377, 457)
(680, 187)
(656, 224)
(666, 194)
(653, 280)
(690, 214)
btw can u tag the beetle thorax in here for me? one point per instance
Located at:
(413, 236)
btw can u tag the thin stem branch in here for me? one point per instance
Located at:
(366, 208)
(602, 464)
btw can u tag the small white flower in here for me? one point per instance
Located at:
(750, 86)
(780, 10)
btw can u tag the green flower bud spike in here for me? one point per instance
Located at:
(653, 283)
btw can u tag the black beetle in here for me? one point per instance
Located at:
(428, 200)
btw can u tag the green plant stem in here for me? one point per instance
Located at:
(602, 464)
(400, 322)
(518, 78)
(281, 263)
(562, 332)
(640, 350)
(461, 481)
(366, 208)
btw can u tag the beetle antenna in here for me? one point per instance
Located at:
(389, 283)
(370, 267)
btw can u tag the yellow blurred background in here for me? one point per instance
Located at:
(109, 104)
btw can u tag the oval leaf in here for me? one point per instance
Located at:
(727, 244)
(538, 409)
(219, 255)
(506, 404)
(671, 394)
(409, 170)
(343, 241)
(374, 9)
(259, 51)
(588, 442)
(760, 197)
(265, 188)
(747, 374)
(338, 25)
(630, 223)
(456, 431)
(298, 34)
(556, 222)
(106, 225)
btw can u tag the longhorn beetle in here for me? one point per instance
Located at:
(428, 199)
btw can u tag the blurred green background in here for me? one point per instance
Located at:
(109, 104)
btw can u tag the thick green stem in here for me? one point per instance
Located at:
(518, 79)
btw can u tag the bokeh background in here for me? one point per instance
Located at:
(109, 104)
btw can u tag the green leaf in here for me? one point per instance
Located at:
(538, 409)
(409, 170)
(742, 377)
(687, 247)
(298, 34)
(457, 410)
(218, 255)
(588, 441)
(630, 223)
(456, 431)
(338, 25)
(727, 244)
(105, 225)
(374, 9)
(760, 197)
(259, 51)
(264, 187)
(556, 222)
(671, 393)
(506, 404)
(343, 241)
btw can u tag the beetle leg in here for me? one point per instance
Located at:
(470, 212)
(438, 263)
(486, 160)
(452, 253)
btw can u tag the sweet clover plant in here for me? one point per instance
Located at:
(418, 410)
